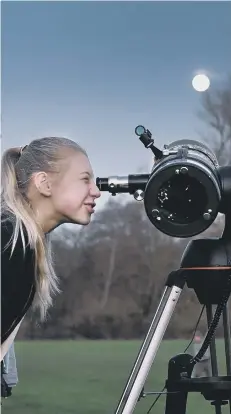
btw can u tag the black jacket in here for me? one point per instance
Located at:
(17, 280)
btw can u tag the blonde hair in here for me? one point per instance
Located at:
(18, 165)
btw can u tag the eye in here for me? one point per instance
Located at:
(87, 179)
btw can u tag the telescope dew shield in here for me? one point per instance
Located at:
(183, 194)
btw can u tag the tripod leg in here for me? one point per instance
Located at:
(148, 351)
(213, 353)
(227, 338)
(176, 399)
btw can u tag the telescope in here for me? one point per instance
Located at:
(183, 195)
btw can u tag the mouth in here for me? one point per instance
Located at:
(90, 207)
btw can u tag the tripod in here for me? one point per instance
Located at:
(206, 268)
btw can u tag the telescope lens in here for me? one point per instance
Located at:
(182, 199)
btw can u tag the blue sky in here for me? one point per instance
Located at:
(92, 71)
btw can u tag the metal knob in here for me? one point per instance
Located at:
(139, 195)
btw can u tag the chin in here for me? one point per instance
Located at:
(83, 220)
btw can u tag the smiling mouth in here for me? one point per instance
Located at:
(90, 207)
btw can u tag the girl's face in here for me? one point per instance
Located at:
(74, 191)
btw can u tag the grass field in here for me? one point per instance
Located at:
(87, 377)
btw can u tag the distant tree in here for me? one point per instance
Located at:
(216, 114)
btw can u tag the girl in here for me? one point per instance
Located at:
(44, 184)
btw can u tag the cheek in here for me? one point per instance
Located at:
(69, 199)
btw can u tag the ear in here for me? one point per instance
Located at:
(42, 183)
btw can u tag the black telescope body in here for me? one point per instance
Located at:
(185, 190)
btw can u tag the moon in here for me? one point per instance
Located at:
(201, 82)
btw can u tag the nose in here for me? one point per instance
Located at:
(95, 192)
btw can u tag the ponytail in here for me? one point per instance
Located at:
(12, 202)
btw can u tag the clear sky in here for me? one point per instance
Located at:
(92, 71)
